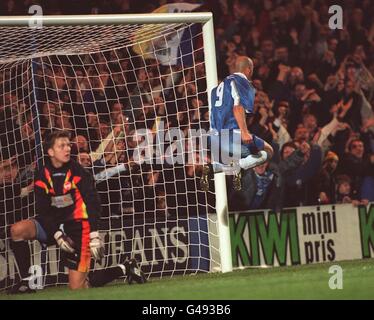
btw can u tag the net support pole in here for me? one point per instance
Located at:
(219, 178)
(36, 118)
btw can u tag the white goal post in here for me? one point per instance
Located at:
(31, 58)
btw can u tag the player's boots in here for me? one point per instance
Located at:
(231, 169)
(253, 160)
(21, 287)
(134, 272)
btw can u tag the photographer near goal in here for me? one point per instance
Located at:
(66, 196)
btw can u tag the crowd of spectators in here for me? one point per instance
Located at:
(314, 85)
(315, 93)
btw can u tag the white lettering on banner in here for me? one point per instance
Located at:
(336, 280)
(319, 223)
(117, 245)
(302, 235)
(158, 244)
(138, 248)
(180, 245)
(323, 233)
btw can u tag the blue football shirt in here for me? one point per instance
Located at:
(234, 90)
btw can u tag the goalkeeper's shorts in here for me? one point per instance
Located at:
(79, 233)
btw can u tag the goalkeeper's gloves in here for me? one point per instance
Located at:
(96, 246)
(64, 242)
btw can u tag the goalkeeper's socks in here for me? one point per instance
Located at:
(21, 252)
(100, 278)
(253, 160)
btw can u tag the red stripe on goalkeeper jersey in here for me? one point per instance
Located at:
(42, 185)
(67, 178)
(80, 211)
(49, 179)
(85, 257)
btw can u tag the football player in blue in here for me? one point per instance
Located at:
(231, 100)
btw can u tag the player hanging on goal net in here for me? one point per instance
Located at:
(231, 100)
(65, 196)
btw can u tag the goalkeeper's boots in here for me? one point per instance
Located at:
(134, 272)
(21, 287)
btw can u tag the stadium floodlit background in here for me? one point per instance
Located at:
(313, 84)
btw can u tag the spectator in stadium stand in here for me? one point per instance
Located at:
(95, 100)
(311, 125)
(320, 136)
(282, 82)
(348, 108)
(344, 192)
(48, 115)
(104, 129)
(81, 143)
(280, 123)
(299, 189)
(303, 101)
(301, 134)
(161, 205)
(160, 106)
(264, 187)
(93, 130)
(325, 181)
(263, 116)
(118, 116)
(64, 120)
(10, 195)
(84, 160)
(358, 165)
(152, 180)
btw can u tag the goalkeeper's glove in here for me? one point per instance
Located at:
(64, 242)
(96, 246)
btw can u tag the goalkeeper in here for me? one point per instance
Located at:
(68, 210)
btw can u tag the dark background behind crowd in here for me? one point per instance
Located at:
(315, 92)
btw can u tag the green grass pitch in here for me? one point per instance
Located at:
(300, 282)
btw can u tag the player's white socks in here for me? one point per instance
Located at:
(253, 160)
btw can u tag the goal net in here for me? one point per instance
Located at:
(134, 98)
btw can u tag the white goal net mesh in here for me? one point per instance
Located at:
(134, 98)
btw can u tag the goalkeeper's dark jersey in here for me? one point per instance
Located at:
(66, 194)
